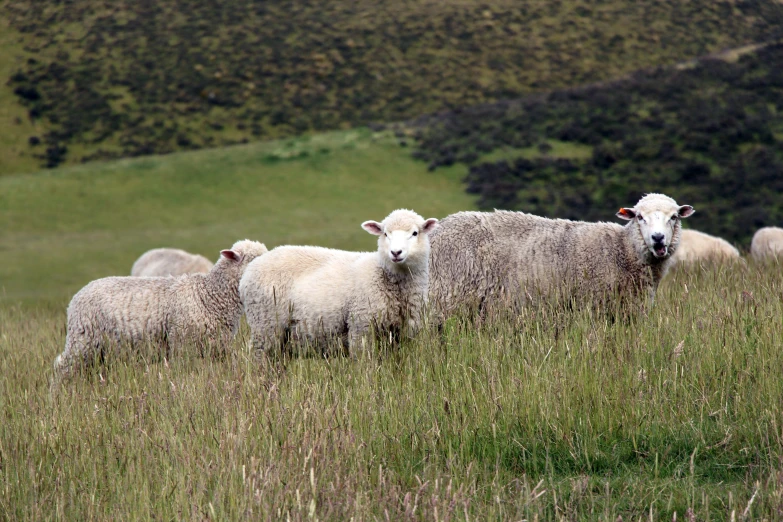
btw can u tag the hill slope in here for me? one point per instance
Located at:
(102, 79)
(709, 133)
(59, 230)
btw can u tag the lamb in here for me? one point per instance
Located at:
(170, 262)
(170, 310)
(767, 244)
(316, 294)
(508, 259)
(696, 247)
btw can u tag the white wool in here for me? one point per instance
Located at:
(316, 293)
(170, 262)
(169, 310)
(499, 259)
(767, 244)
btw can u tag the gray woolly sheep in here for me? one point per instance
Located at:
(488, 260)
(316, 293)
(767, 244)
(173, 310)
(170, 262)
(698, 247)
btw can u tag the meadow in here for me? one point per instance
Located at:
(551, 414)
(61, 229)
(548, 415)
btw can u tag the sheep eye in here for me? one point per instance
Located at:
(415, 233)
(385, 234)
(641, 219)
(674, 218)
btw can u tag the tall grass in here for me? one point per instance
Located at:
(548, 415)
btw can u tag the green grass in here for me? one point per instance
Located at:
(549, 415)
(59, 230)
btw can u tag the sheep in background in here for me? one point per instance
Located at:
(698, 247)
(170, 262)
(496, 259)
(315, 293)
(197, 308)
(767, 244)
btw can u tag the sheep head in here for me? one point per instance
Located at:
(403, 237)
(657, 218)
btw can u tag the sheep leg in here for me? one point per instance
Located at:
(267, 332)
(358, 340)
(76, 355)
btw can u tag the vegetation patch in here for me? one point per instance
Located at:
(708, 134)
(104, 80)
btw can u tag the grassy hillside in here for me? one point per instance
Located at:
(61, 229)
(709, 133)
(108, 79)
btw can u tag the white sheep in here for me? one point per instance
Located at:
(698, 247)
(767, 244)
(505, 259)
(316, 294)
(170, 262)
(202, 308)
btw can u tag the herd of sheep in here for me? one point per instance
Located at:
(476, 261)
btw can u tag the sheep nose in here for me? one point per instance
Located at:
(396, 253)
(657, 237)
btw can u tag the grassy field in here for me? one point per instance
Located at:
(545, 416)
(61, 229)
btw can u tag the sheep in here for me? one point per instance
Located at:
(315, 294)
(767, 244)
(170, 310)
(170, 262)
(696, 247)
(490, 260)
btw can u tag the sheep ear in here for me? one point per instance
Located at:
(685, 211)
(429, 225)
(626, 213)
(373, 227)
(230, 254)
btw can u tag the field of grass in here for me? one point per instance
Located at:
(61, 229)
(548, 415)
(103, 79)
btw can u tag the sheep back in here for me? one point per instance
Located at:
(767, 244)
(508, 258)
(170, 262)
(696, 247)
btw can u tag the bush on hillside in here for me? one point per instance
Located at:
(710, 135)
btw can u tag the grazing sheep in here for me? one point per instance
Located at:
(171, 310)
(488, 260)
(698, 247)
(767, 244)
(170, 262)
(316, 293)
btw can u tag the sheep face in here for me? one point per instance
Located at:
(403, 237)
(658, 220)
